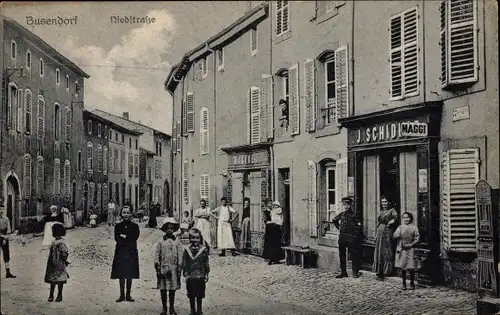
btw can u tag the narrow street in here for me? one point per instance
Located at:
(238, 285)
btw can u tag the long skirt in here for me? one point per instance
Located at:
(47, 234)
(68, 220)
(272, 243)
(225, 238)
(245, 234)
(383, 256)
(125, 263)
(204, 226)
(111, 217)
(152, 223)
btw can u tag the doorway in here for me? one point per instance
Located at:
(284, 199)
(13, 202)
(389, 177)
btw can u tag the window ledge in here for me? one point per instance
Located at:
(327, 131)
(283, 37)
(283, 139)
(326, 16)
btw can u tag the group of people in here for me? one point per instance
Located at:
(385, 259)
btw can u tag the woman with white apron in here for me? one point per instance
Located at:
(202, 216)
(54, 218)
(225, 238)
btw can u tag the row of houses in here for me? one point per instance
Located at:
(306, 102)
(53, 150)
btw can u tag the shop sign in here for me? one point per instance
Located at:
(392, 131)
(249, 159)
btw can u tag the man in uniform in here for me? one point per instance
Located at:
(350, 237)
(4, 239)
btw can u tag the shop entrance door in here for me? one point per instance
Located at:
(389, 178)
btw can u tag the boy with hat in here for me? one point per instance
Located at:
(168, 264)
(349, 238)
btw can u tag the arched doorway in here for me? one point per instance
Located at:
(166, 197)
(13, 201)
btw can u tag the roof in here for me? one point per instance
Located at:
(46, 47)
(180, 70)
(147, 151)
(118, 119)
(107, 121)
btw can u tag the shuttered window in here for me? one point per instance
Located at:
(183, 118)
(174, 138)
(341, 181)
(20, 110)
(309, 95)
(342, 81)
(67, 123)
(67, 178)
(204, 187)
(11, 105)
(136, 165)
(105, 160)
(204, 137)
(40, 176)
(28, 108)
(312, 199)
(179, 131)
(185, 181)
(122, 161)
(90, 157)
(190, 111)
(267, 108)
(403, 40)
(130, 164)
(254, 114)
(99, 158)
(57, 177)
(458, 40)
(282, 17)
(27, 176)
(41, 117)
(294, 100)
(460, 173)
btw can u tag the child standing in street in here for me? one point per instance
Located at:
(408, 237)
(195, 269)
(56, 273)
(168, 260)
(93, 220)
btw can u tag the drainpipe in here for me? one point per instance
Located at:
(352, 57)
(271, 148)
(423, 51)
(214, 201)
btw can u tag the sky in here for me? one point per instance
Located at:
(128, 63)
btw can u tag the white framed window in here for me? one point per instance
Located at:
(90, 157)
(27, 176)
(12, 105)
(204, 187)
(40, 175)
(28, 110)
(220, 58)
(255, 111)
(330, 116)
(99, 130)
(330, 185)
(99, 158)
(57, 177)
(67, 83)
(57, 121)
(58, 77)
(404, 61)
(89, 127)
(282, 17)
(20, 110)
(458, 40)
(204, 136)
(41, 117)
(13, 49)
(28, 60)
(41, 67)
(67, 123)
(253, 41)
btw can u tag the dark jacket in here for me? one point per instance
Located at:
(126, 259)
(349, 225)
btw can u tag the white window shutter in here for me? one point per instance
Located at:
(410, 52)
(68, 123)
(396, 58)
(342, 81)
(294, 106)
(190, 111)
(460, 173)
(57, 175)
(174, 138)
(249, 113)
(27, 176)
(312, 199)
(309, 95)
(185, 188)
(67, 178)
(179, 132)
(184, 118)
(28, 110)
(41, 118)
(204, 125)
(341, 180)
(105, 161)
(267, 116)
(20, 110)
(285, 16)
(254, 114)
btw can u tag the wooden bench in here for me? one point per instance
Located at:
(296, 255)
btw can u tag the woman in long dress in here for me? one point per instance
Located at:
(245, 242)
(202, 216)
(225, 238)
(67, 217)
(126, 259)
(153, 209)
(272, 239)
(383, 257)
(55, 216)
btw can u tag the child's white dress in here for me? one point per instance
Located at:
(93, 220)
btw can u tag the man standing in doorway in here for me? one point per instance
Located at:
(4, 239)
(225, 238)
(349, 238)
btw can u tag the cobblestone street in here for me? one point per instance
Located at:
(238, 285)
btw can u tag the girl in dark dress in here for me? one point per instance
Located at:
(152, 216)
(126, 259)
(56, 273)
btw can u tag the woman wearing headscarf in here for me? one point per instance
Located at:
(272, 238)
(55, 216)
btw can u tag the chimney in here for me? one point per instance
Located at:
(125, 115)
